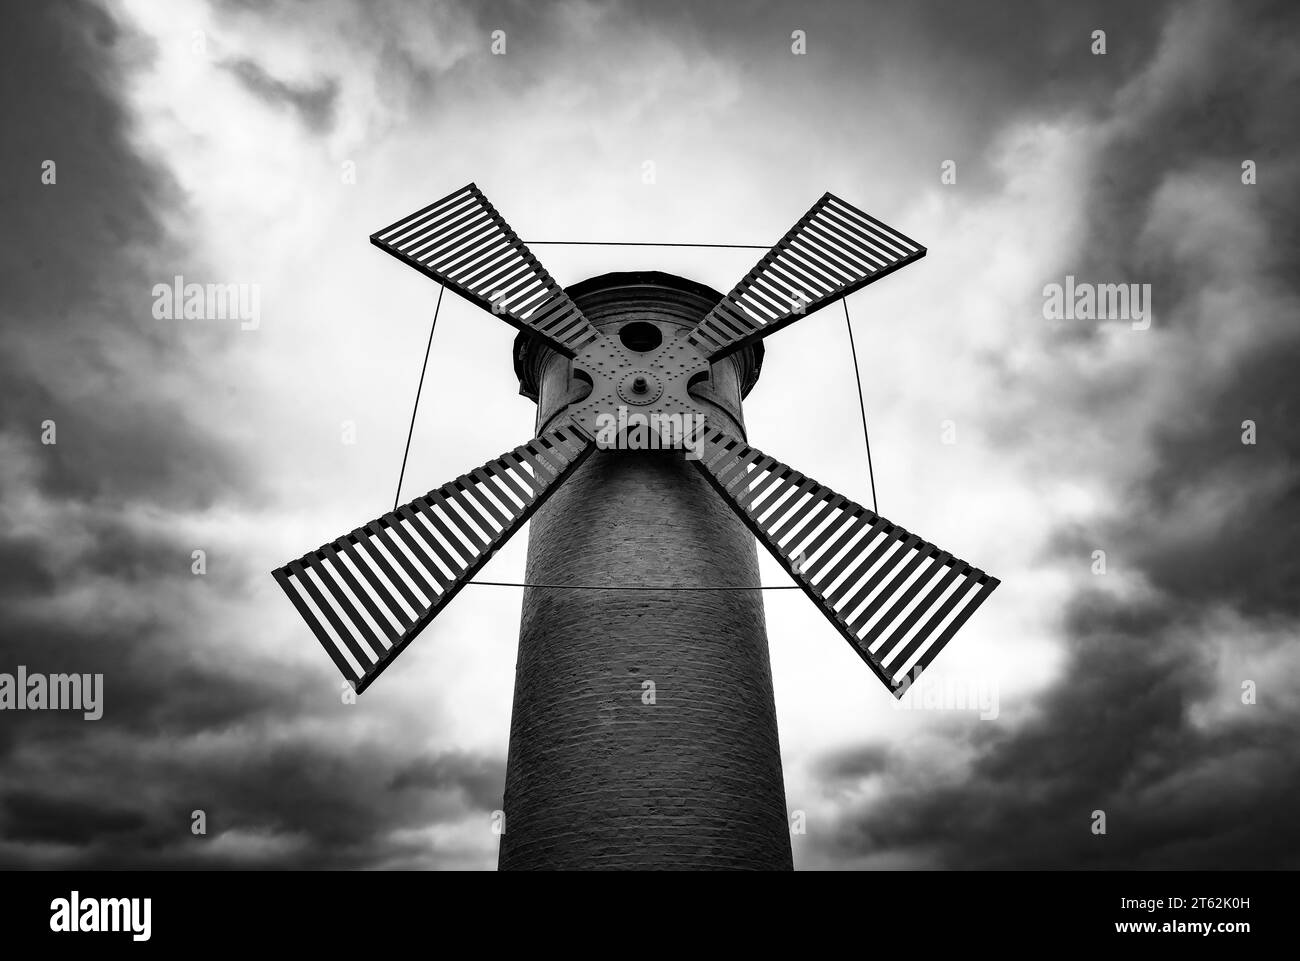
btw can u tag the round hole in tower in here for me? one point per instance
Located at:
(640, 336)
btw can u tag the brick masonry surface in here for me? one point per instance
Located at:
(596, 777)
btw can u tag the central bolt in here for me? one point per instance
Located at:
(639, 385)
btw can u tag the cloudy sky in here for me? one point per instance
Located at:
(220, 141)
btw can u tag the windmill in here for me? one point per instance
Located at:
(895, 598)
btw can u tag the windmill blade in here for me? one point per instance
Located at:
(465, 245)
(368, 594)
(833, 250)
(897, 600)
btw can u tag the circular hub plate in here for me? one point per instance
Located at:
(650, 388)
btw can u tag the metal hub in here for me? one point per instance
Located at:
(633, 388)
(640, 387)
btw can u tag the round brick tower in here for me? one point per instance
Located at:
(644, 729)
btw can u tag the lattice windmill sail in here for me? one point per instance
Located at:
(462, 242)
(897, 599)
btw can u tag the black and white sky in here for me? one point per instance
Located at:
(262, 143)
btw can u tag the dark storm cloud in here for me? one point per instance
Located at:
(314, 104)
(480, 778)
(150, 689)
(1248, 558)
(296, 804)
(95, 563)
(1114, 735)
(1211, 526)
(39, 817)
(79, 280)
(861, 762)
(1228, 97)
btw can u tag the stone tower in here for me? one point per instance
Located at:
(644, 729)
